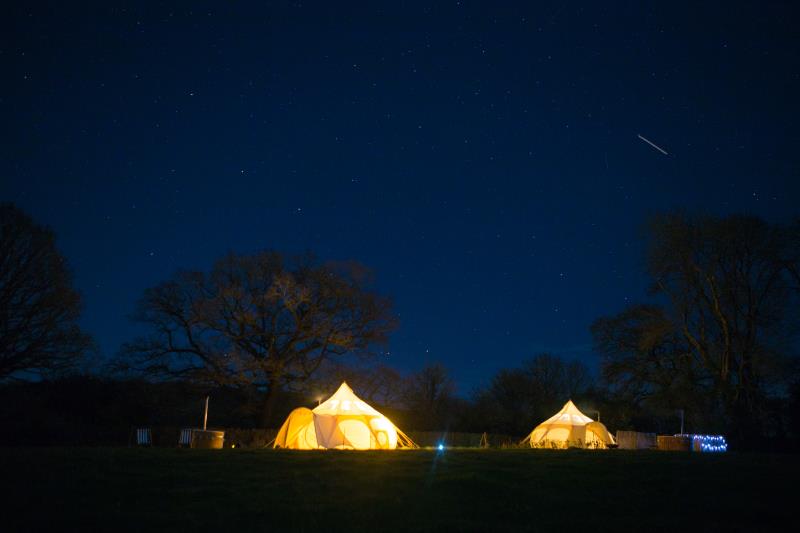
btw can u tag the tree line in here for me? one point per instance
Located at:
(716, 341)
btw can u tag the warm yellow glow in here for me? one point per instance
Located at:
(298, 431)
(569, 428)
(343, 421)
(386, 433)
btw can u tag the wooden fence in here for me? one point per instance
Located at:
(260, 438)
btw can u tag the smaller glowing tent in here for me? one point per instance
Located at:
(343, 421)
(569, 428)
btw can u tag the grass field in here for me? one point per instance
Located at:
(539, 490)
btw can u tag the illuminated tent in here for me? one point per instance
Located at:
(569, 428)
(343, 421)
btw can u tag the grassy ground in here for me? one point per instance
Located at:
(538, 490)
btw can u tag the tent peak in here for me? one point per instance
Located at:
(572, 409)
(569, 405)
(344, 400)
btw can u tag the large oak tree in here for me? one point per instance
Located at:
(39, 308)
(258, 321)
(725, 323)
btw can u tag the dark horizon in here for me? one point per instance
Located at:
(484, 161)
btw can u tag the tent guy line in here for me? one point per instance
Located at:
(654, 145)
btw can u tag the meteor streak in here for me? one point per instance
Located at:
(652, 144)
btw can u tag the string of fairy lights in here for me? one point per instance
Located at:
(706, 443)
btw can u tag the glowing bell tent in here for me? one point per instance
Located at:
(569, 428)
(343, 421)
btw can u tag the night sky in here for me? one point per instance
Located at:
(484, 161)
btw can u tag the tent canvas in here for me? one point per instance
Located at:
(343, 421)
(569, 428)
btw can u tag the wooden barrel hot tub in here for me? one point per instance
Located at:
(207, 439)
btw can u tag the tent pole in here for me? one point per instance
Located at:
(205, 415)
